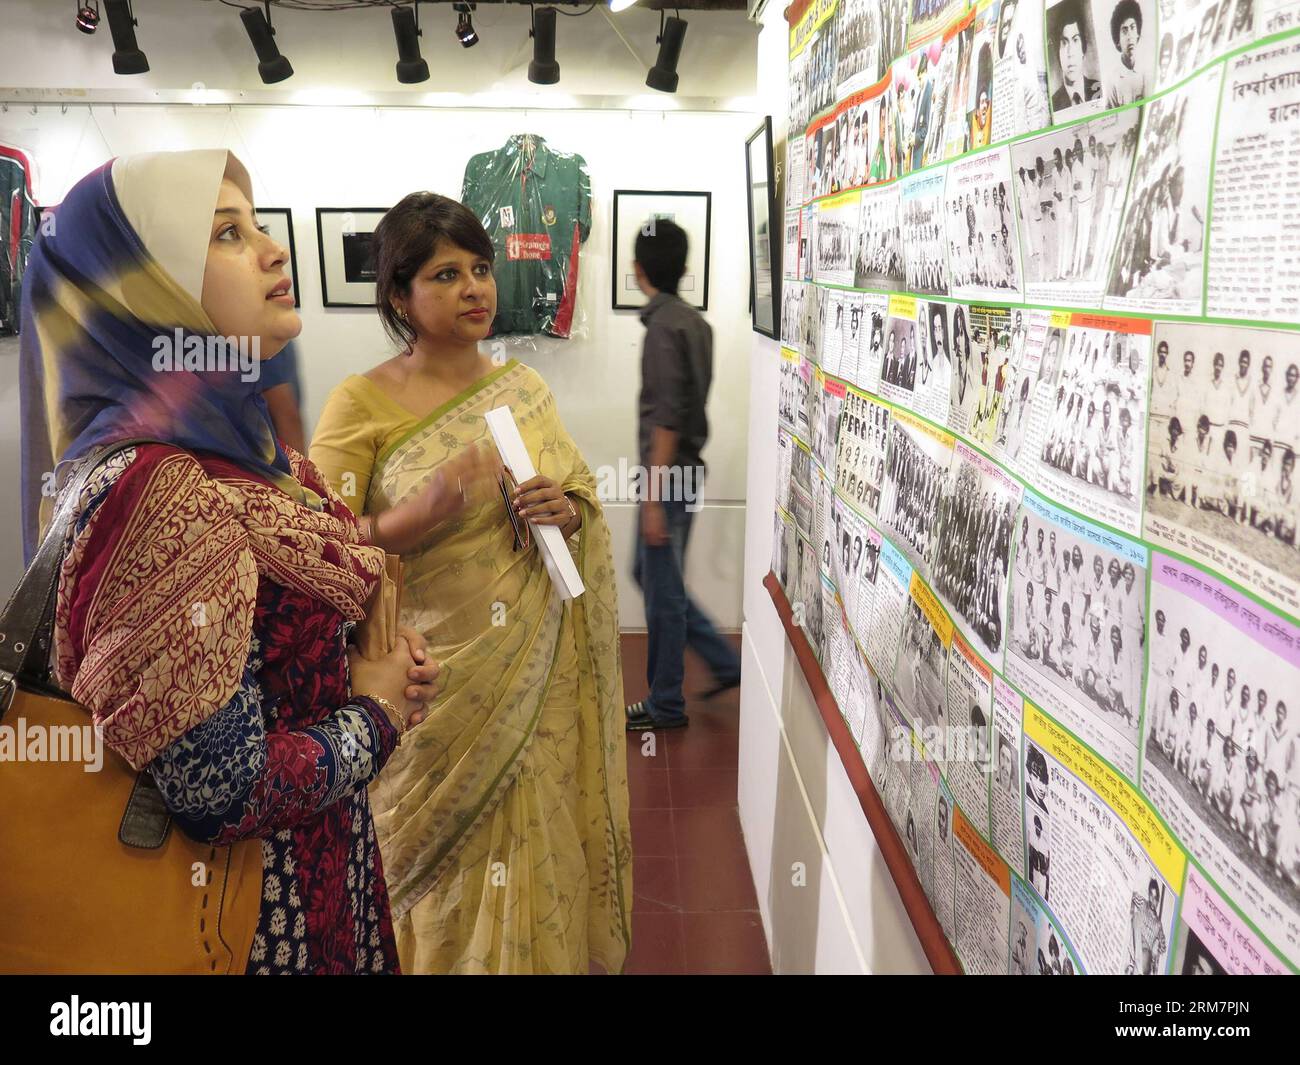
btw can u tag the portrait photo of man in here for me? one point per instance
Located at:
(1127, 83)
(1070, 41)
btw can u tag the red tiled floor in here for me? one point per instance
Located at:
(707, 883)
(694, 909)
(654, 883)
(658, 946)
(731, 943)
(703, 830)
(703, 787)
(648, 789)
(700, 750)
(653, 833)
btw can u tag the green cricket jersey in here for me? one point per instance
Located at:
(535, 204)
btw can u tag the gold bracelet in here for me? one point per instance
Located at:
(392, 711)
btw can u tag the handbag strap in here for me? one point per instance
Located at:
(26, 626)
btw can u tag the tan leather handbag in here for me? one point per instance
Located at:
(376, 633)
(94, 878)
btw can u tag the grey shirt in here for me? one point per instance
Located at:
(676, 371)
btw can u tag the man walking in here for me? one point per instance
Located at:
(676, 371)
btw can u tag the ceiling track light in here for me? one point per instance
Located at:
(663, 75)
(127, 57)
(411, 66)
(465, 32)
(271, 65)
(88, 16)
(543, 70)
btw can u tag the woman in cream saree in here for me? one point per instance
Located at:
(503, 818)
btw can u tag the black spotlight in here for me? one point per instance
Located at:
(88, 17)
(127, 57)
(271, 65)
(544, 70)
(465, 32)
(663, 75)
(411, 67)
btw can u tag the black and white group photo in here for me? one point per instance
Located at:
(880, 252)
(899, 366)
(836, 244)
(919, 668)
(811, 320)
(1221, 730)
(823, 62)
(792, 393)
(792, 300)
(860, 456)
(981, 360)
(983, 253)
(1095, 419)
(893, 30)
(916, 476)
(1196, 32)
(856, 563)
(1078, 614)
(808, 594)
(923, 242)
(826, 419)
(800, 110)
(860, 29)
(1225, 429)
(1017, 395)
(1159, 260)
(1070, 189)
(844, 332)
(976, 519)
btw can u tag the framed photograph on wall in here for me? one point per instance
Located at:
(635, 209)
(347, 270)
(764, 259)
(279, 220)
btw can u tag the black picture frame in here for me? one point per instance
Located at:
(337, 246)
(763, 192)
(650, 203)
(280, 220)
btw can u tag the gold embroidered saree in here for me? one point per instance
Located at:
(503, 817)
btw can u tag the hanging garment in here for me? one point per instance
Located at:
(535, 204)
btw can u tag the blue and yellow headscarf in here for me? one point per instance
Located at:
(119, 263)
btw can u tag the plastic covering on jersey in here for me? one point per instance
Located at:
(535, 203)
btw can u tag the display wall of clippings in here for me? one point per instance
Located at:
(1039, 421)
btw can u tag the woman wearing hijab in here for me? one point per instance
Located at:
(210, 577)
(504, 818)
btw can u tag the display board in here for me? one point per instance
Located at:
(1038, 421)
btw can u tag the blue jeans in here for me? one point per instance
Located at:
(673, 621)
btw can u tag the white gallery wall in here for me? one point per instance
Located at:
(308, 155)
